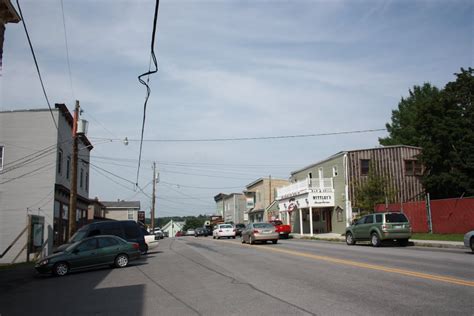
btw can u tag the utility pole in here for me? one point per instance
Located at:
(73, 192)
(153, 199)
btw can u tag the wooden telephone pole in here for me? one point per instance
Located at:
(73, 192)
(153, 199)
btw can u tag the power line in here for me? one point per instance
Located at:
(28, 173)
(148, 90)
(36, 63)
(235, 139)
(206, 188)
(67, 49)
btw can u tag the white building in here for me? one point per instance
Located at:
(35, 178)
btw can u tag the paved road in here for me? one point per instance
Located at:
(202, 276)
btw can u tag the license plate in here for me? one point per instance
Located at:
(267, 231)
(398, 226)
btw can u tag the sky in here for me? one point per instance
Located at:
(228, 69)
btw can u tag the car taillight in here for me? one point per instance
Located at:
(135, 245)
(256, 231)
(233, 230)
(385, 227)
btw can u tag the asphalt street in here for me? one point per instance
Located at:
(202, 276)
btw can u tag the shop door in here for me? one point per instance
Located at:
(328, 220)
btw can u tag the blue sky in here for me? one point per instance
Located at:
(231, 69)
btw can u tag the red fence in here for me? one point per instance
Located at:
(449, 216)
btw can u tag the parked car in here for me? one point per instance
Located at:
(158, 233)
(282, 229)
(208, 229)
(199, 232)
(469, 240)
(190, 232)
(379, 227)
(166, 234)
(89, 253)
(179, 234)
(259, 232)
(128, 230)
(151, 241)
(223, 230)
(238, 229)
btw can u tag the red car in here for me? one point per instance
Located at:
(282, 229)
(179, 234)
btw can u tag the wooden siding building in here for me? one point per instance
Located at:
(322, 196)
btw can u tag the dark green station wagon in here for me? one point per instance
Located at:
(378, 227)
(89, 253)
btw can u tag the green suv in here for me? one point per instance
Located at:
(378, 227)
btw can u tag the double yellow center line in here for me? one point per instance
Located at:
(439, 278)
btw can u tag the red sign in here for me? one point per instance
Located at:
(292, 207)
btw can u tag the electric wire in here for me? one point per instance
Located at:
(67, 49)
(235, 139)
(36, 63)
(148, 90)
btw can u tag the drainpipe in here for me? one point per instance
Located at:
(346, 191)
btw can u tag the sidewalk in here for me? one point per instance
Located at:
(414, 242)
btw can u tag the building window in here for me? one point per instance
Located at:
(364, 167)
(87, 181)
(81, 178)
(130, 215)
(334, 171)
(68, 166)
(310, 175)
(2, 152)
(60, 161)
(413, 168)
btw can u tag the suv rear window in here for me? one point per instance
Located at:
(395, 218)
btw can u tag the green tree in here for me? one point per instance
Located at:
(403, 130)
(375, 190)
(193, 222)
(446, 133)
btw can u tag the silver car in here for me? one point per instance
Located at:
(259, 232)
(469, 240)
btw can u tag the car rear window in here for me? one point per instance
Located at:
(226, 226)
(277, 223)
(395, 218)
(263, 225)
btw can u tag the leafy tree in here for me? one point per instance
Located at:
(375, 190)
(402, 130)
(194, 222)
(446, 132)
(442, 123)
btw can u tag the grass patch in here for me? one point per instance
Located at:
(444, 237)
(16, 265)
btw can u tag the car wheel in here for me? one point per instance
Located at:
(275, 241)
(350, 239)
(61, 269)
(233, 237)
(251, 240)
(403, 242)
(121, 261)
(242, 240)
(145, 251)
(213, 237)
(471, 243)
(375, 240)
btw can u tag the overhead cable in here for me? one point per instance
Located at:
(236, 139)
(148, 90)
(36, 63)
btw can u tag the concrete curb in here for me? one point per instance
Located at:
(413, 242)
